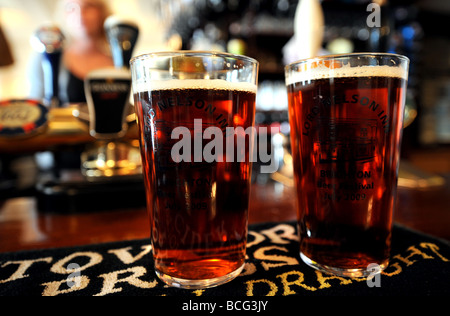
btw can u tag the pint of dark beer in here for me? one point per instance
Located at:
(346, 115)
(191, 107)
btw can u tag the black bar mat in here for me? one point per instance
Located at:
(420, 265)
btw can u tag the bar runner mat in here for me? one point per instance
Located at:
(420, 265)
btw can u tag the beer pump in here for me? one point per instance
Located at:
(108, 97)
(122, 36)
(110, 165)
(24, 121)
(49, 40)
(108, 94)
(104, 129)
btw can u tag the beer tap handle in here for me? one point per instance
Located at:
(49, 41)
(122, 36)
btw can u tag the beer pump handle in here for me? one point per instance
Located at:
(49, 41)
(122, 36)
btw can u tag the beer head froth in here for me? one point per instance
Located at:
(214, 84)
(312, 71)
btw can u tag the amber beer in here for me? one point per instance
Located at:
(346, 127)
(198, 207)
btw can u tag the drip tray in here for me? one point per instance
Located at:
(81, 196)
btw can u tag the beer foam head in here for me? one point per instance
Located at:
(109, 72)
(325, 69)
(193, 84)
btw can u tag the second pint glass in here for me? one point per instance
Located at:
(191, 106)
(346, 115)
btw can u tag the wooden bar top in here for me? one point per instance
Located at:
(24, 227)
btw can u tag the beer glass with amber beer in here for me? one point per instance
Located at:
(194, 111)
(346, 114)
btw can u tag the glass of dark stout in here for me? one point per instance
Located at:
(346, 115)
(193, 109)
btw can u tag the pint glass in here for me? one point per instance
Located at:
(346, 114)
(191, 107)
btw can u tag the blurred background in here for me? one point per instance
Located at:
(266, 30)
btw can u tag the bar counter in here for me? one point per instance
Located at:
(23, 227)
(34, 245)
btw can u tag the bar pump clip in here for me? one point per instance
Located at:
(49, 41)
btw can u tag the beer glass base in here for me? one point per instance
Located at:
(350, 273)
(198, 284)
